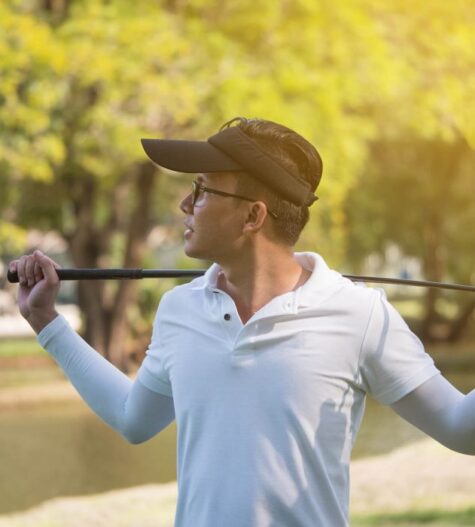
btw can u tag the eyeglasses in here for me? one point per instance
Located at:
(197, 189)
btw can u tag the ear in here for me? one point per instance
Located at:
(255, 218)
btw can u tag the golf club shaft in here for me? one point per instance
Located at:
(121, 274)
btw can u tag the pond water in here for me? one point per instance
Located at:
(59, 450)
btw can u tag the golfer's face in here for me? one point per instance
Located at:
(212, 223)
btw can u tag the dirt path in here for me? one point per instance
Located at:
(424, 475)
(146, 506)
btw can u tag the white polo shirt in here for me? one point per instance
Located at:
(267, 412)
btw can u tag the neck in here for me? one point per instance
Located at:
(255, 277)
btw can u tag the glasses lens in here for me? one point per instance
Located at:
(195, 191)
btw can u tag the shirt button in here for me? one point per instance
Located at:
(227, 316)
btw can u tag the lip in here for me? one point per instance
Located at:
(188, 230)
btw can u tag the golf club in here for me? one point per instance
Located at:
(121, 274)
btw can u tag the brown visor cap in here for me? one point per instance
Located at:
(230, 150)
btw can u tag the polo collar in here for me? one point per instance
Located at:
(209, 280)
(320, 281)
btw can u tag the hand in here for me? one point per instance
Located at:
(38, 289)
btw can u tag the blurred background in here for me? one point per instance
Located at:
(383, 89)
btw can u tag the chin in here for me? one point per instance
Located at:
(192, 252)
(200, 253)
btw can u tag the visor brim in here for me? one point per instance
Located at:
(188, 156)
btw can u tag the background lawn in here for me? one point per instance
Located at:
(412, 519)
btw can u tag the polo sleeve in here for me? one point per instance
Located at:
(152, 372)
(393, 361)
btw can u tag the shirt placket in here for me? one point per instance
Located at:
(239, 333)
(244, 344)
(229, 317)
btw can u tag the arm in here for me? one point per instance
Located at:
(441, 411)
(128, 406)
(133, 410)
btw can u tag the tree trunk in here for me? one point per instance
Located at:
(139, 228)
(433, 270)
(86, 247)
(461, 322)
(105, 324)
(444, 161)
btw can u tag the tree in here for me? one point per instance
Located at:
(83, 81)
(87, 79)
(81, 94)
(418, 188)
(417, 194)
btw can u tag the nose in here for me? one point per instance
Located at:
(186, 205)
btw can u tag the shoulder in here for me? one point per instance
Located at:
(356, 296)
(329, 289)
(183, 295)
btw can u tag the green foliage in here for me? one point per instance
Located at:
(78, 97)
(79, 94)
(81, 82)
(12, 238)
(417, 194)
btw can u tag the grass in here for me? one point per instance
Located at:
(19, 347)
(433, 518)
(23, 362)
(16, 377)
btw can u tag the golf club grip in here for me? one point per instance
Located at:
(88, 274)
(117, 274)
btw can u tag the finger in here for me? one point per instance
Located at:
(38, 272)
(29, 271)
(21, 270)
(12, 266)
(48, 267)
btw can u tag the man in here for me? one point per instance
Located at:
(265, 361)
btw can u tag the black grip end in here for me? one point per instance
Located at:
(12, 277)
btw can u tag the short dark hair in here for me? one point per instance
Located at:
(294, 153)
